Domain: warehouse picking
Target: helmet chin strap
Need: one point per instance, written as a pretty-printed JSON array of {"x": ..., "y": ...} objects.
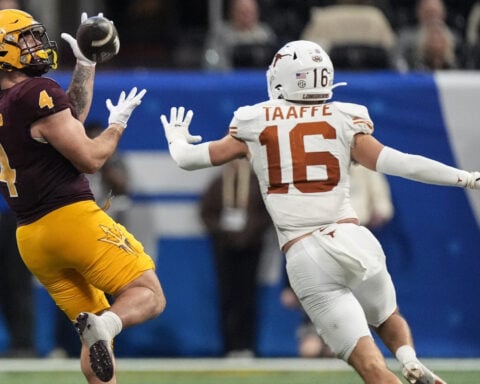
[
  {"x": 341, "y": 84},
  {"x": 37, "y": 70}
]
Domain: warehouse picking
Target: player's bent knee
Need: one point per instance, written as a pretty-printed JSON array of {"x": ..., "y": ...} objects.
[
  {"x": 366, "y": 356},
  {"x": 154, "y": 300},
  {"x": 158, "y": 300},
  {"x": 161, "y": 303}
]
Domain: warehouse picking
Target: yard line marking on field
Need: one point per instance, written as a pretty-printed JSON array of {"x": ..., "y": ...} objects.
[{"x": 223, "y": 364}]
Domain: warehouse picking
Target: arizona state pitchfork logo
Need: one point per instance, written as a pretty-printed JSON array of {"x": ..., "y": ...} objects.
[{"x": 115, "y": 236}]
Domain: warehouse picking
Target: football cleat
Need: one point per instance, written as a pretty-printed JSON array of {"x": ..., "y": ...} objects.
[
  {"x": 93, "y": 333},
  {"x": 417, "y": 373}
]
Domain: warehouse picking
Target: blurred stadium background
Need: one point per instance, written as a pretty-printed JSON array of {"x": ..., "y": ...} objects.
[{"x": 431, "y": 245}]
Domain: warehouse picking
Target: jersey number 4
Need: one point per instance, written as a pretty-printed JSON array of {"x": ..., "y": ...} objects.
[
  {"x": 300, "y": 158},
  {"x": 7, "y": 174}
]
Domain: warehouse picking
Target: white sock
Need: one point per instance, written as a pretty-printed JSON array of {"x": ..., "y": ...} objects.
[
  {"x": 405, "y": 354},
  {"x": 112, "y": 322}
]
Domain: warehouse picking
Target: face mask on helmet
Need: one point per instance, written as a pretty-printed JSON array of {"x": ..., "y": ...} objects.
[
  {"x": 301, "y": 71},
  {"x": 24, "y": 44}
]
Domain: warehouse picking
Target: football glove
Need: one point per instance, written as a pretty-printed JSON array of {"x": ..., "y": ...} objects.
[
  {"x": 177, "y": 127},
  {"x": 81, "y": 59},
  {"x": 473, "y": 180},
  {"x": 120, "y": 113}
]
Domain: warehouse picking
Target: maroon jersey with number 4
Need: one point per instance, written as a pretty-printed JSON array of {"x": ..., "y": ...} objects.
[{"x": 34, "y": 177}]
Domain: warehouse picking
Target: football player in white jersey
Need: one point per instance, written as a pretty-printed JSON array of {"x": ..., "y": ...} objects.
[{"x": 301, "y": 146}]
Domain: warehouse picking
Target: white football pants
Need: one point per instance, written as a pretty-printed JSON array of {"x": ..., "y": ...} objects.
[{"x": 340, "y": 277}]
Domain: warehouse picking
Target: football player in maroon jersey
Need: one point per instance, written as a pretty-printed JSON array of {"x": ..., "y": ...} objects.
[{"x": 70, "y": 244}]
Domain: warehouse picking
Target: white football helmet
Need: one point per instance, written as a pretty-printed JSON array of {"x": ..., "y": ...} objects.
[{"x": 301, "y": 71}]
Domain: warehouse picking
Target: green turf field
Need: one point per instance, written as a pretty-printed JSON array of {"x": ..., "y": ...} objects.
[
  {"x": 239, "y": 377},
  {"x": 221, "y": 371}
]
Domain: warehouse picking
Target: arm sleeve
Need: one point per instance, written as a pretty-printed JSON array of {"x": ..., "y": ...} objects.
[
  {"x": 419, "y": 168},
  {"x": 188, "y": 156}
]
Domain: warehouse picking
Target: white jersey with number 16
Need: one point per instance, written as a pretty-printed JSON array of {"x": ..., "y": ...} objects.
[{"x": 301, "y": 155}]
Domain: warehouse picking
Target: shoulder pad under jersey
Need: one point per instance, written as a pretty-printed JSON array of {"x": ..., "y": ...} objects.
[
  {"x": 248, "y": 112},
  {"x": 352, "y": 109},
  {"x": 358, "y": 114}
]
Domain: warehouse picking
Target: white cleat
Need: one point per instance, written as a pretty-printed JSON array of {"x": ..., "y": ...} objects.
[
  {"x": 93, "y": 333},
  {"x": 416, "y": 373}
]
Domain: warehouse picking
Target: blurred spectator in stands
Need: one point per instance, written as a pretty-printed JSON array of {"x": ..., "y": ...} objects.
[
  {"x": 16, "y": 281},
  {"x": 435, "y": 49},
  {"x": 236, "y": 219},
  {"x": 286, "y": 17},
  {"x": 389, "y": 9},
  {"x": 472, "y": 54},
  {"x": 194, "y": 16},
  {"x": 149, "y": 31},
  {"x": 371, "y": 198},
  {"x": 356, "y": 35},
  {"x": 242, "y": 41},
  {"x": 426, "y": 12},
  {"x": 10, "y": 4}
]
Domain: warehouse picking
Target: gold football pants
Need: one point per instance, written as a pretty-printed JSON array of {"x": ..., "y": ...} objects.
[{"x": 79, "y": 253}]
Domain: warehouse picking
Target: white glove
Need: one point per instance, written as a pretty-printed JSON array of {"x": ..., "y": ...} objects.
[
  {"x": 120, "y": 113},
  {"x": 473, "y": 180},
  {"x": 177, "y": 127},
  {"x": 73, "y": 44}
]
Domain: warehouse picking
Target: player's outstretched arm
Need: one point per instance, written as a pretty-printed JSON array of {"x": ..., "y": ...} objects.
[
  {"x": 191, "y": 157},
  {"x": 80, "y": 90},
  {"x": 121, "y": 112},
  {"x": 186, "y": 155},
  {"x": 101, "y": 148},
  {"x": 374, "y": 155},
  {"x": 423, "y": 169},
  {"x": 66, "y": 134}
]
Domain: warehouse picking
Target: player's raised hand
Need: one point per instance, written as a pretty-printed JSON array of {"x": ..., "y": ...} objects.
[
  {"x": 81, "y": 59},
  {"x": 120, "y": 113},
  {"x": 178, "y": 125}
]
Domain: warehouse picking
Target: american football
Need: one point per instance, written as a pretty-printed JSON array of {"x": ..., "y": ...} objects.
[{"x": 98, "y": 39}]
